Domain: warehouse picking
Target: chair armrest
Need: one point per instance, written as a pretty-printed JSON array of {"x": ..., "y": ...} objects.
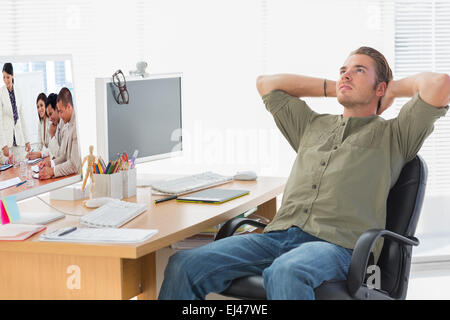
[
  {"x": 230, "y": 227},
  {"x": 361, "y": 253}
]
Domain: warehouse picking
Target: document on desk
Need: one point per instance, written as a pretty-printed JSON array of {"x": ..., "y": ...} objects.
[
  {"x": 99, "y": 235},
  {"x": 34, "y": 161},
  {"x": 18, "y": 232},
  {"x": 9, "y": 183}
]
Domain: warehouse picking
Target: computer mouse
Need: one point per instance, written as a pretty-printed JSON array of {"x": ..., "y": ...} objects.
[
  {"x": 245, "y": 175},
  {"x": 97, "y": 202}
]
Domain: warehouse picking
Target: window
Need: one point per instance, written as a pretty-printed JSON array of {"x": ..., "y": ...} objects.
[{"x": 422, "y": 43}]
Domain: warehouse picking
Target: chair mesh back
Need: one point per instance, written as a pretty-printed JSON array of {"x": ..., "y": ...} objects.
[{"x": 403, "y": 209}]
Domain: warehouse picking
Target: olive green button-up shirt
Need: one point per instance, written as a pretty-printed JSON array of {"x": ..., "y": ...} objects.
[{"x": 345, "y": 167}]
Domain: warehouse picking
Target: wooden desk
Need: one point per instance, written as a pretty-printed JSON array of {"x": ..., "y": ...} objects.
[
  {"x": 46, "y": 270},
  {"x": 38, "y": 184}
]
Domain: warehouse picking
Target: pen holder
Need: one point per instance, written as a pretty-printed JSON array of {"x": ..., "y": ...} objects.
[
  {"x": 108, "y": 185},
  {"x": 129, "y": 183}
]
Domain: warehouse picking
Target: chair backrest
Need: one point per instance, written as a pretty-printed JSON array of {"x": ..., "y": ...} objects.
[{"x": 404, "y": 204}]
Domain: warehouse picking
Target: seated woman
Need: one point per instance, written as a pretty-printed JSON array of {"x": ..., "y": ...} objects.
[{"x": 43, "y": 131}]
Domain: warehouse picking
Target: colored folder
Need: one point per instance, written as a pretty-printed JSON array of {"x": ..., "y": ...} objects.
[{"x": 215, "y": 196}]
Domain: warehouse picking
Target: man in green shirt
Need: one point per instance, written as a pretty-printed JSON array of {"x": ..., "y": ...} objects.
[{"x": 338, "y": 186}]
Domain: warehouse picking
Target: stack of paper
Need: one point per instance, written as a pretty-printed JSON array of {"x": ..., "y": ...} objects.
[
  {"x": 18, "y": 232},
  {"x": 9, "y": 183},
  {"x": 99, "y": 235},
  {"x": 192, "y": 242}
]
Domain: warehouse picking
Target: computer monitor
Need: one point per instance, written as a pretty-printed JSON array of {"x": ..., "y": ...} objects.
[
  {"x": 34, "y": 75},
  {"x": 150, "y": 122}
]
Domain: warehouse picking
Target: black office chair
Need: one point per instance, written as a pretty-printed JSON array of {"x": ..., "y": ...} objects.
[{"x": 403, "y": 209}]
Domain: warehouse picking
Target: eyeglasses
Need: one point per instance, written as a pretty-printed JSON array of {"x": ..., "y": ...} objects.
[{"x": 119, "y": 81}]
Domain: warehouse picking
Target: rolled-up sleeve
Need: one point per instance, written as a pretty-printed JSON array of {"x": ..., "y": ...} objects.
[
  {"x": 291, "y": 115},
  {"x": 414, "y": 124}
]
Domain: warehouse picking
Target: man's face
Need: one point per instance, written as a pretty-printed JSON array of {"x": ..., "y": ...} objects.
[
  {"x": 356, "y": 85},
  {"x": 53, "y": 115},
  {"x": 64, "y": 112}
]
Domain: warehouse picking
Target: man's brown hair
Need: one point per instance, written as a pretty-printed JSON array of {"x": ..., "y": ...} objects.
[
  {"x": 382, "y": 69},
  {"x": 65, "y": 97}
]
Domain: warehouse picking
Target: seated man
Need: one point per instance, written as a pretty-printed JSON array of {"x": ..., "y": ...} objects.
[
  {"x": 54, "y": 130},
  {"x": 338, "y": 186},
  {"x": 67, "y": 161}
]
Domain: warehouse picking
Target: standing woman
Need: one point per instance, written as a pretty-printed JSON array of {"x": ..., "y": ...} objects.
[
  {"x": 44, "y": 122},
  {"x": 13, "y": 133}
]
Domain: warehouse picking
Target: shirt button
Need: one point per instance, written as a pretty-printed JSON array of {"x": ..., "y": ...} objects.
[
  {"x": 343, "y": 123},
  {"x": 322, "y": 163},
  {"x": 314, "y": 186},
  {"x": 335, "y": 148},
  {"x": 305, "y": 210}
]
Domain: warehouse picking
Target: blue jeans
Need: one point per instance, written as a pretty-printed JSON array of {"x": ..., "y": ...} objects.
[{"x": 292, "y": 263}]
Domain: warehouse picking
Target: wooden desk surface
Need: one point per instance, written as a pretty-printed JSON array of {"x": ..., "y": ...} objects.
[
  {"x": 15, "y": 172},
  {"x": 174, "y": 220}
]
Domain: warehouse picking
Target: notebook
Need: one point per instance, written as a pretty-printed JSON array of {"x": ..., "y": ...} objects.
[
  {"x": 18, "y": 232},
  {"x": 9, "y": 183},
  {"x": 99, "y": 235},
  {"x": 215, "y": 196}
]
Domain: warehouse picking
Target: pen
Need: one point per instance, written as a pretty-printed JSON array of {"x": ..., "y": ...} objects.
[
  {"x": 67, "y": 231},
  {"x": 166, "y": 199},
  {"x": 21, "y": 183}
]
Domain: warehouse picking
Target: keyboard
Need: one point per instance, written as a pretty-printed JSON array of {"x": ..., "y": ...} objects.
[
  {"x": 191, "y": 183},
  {"x": 113, "y": 214}
]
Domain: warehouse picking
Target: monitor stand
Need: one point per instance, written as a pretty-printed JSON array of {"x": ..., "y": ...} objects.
[
  {"x": 72, "y": 192},
  {"x": 30, "y": 216},
  {"x": 35, "y": 217}
]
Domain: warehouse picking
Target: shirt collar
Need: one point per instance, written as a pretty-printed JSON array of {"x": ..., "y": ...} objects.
[
  {"x": 357, "y": 121},
  {"x": 72, "y": 118}
]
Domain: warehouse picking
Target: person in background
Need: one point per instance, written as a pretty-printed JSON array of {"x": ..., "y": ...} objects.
[
  {"x": 13, "y": 131},
  {"x": 43, "y": 134},
  {"x": 68, "y": 160},
  {"x": 55, "y": 126},
  {"x": 5, "y": 160}
]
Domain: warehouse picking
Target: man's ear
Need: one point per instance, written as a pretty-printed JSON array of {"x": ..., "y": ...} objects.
[{"x": 380, "y": 90}]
